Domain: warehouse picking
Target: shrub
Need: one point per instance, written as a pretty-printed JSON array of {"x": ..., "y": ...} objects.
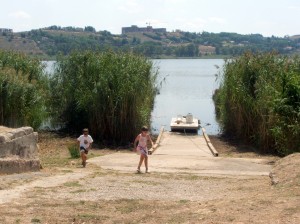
[{"x": 74, "y": 151}]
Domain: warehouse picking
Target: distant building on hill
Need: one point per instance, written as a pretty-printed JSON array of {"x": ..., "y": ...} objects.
[
  {"x": 5, "y": 30},
  {"x": 207, "y": 50},
  {"x": 148, "y": 29}
]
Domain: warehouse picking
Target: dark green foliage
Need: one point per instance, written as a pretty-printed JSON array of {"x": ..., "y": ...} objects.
[
  {"x": 110, "y": 93},
  {"x": 89, "y": 29},
  {"x": 259, "y": 101},
  {"x": 189, "y": 50},
  {"x": 22, "y": 90}
]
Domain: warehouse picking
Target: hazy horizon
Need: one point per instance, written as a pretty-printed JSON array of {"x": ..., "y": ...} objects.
[
  {"x": 144, "y": 26},
  {"x": 268, "y": 18}
]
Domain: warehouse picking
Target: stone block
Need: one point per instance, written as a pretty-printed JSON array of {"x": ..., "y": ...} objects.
[{"x": 18, "y": 150}]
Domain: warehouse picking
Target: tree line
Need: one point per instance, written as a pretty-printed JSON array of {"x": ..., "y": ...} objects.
[{"x": 54, "y": 40}]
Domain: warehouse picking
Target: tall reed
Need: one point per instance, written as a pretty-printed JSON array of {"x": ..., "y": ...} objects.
[
  {"x": 259, "y": 101},
  {"x": 111, "y": 93},
  {"x": 22, "y": 90}
]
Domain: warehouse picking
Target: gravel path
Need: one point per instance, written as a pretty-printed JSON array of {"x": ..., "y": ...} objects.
[
  {"x": 146, "y": 187},
  {"x": 93, "y": 184},
  {"x": 97, "y": 195}
]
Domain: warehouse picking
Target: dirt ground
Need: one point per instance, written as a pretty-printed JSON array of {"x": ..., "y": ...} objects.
[{"x": 64, "y": 192}]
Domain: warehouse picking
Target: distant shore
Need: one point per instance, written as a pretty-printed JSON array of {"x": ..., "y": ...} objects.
[{"x": 53, "y": 58}]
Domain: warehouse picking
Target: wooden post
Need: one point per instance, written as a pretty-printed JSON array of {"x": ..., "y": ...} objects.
[
  {"x": 152, "y": 150},
  {"x": 210, "y": 146}
]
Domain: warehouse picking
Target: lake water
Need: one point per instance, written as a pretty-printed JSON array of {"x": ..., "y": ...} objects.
[{"x": 188, "y": 88}]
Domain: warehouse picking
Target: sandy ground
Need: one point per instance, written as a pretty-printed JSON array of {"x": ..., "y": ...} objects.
[{"x": 64, "y": 192}]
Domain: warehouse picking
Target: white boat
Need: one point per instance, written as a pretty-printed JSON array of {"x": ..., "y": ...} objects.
[{"x": 185, "y": 123}]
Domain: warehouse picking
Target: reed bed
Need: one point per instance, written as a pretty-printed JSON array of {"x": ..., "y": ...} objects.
[
  {"x": 23, "y": 90},
  {"x": 259, "y": 101},
  {"x": 110, "y": 93}
]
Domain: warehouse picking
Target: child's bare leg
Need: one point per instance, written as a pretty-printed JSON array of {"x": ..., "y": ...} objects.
[
  {"x": 146, "y": 163},
  {"x": 142, "y": 157},
  {"x": 83, "y": 158}
]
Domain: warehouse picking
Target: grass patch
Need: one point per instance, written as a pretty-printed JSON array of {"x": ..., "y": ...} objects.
[
  {"x": 39, "y": 189},
  {"x": 98, "y": 174},
  {"x": 35, "y": 220},
  {"x": 67, "y": 171},
  {"x": 88, "y": 216},
  {"x": 55, "y": 161},
  {"x": 177, "y": 218},
  {"x": 78, "y": 191},
  {"x": 265, "y": 202},
  {"x": 184, "y": 201},
  {"x": 192, "y": 177},
  {"x": 152, "y": 183},
  {"x": 128, "y": 205},
  {"x": 81, "y": 202},
  {"x": 72, "y": 184},
  {"x": 292, "y": 210}
]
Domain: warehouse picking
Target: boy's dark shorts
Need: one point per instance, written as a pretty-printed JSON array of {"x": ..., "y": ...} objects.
[{"x": 82, "y": 149}]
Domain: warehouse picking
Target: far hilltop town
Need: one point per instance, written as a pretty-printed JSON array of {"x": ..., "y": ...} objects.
[
  {"x": 137, "y": 29},
  {"x": 131, "y": 29},
  {"x": 5, "y": 30}
]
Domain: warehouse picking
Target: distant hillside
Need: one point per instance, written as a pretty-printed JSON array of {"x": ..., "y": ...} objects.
[
  {"x": 17, "y": 43},
  {"x": 50, "y": 41},
  {"x": 295, "y": 37}
]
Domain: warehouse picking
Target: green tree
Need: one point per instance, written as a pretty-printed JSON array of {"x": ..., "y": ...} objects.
[{"x": 89, "y": 29}]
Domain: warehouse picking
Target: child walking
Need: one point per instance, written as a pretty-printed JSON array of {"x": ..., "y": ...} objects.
[
  {"x": 85, "y": 144},
  {"x": 142, "y": 140}
]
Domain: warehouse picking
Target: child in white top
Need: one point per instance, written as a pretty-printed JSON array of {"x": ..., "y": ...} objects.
[
  {"x": 85, "y": 144},
  {"x": 141, "y": 148}
]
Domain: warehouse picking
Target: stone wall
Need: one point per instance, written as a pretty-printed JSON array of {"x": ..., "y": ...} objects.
[{"x": 18, "y": 150}]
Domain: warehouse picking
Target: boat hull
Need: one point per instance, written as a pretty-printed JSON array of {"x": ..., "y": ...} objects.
[{"x": 180, "y": 125}]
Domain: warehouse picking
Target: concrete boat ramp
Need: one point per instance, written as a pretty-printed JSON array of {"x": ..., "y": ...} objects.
[{"x": 183, "y": 153}]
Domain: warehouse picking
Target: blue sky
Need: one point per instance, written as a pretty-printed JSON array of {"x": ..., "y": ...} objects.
[{"x": 267, "y": 17}]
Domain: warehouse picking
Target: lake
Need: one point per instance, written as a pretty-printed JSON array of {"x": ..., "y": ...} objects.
[{"x": 188, "y": 88}]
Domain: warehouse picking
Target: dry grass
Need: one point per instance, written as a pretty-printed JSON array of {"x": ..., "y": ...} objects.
[{"x": 227, "y": 147}]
